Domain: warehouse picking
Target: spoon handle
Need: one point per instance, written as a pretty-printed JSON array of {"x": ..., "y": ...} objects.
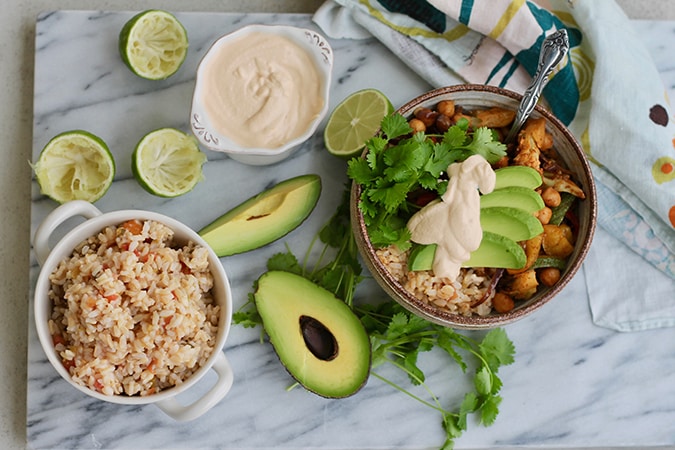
[{"x": 553, "y": 50}]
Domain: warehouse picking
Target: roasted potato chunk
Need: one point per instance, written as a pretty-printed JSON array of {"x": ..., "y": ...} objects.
[{"x": 556, "y": 241}]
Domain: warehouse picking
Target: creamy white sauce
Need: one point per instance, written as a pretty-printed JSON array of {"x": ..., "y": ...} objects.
[
  {"x": 453, "y": 222},
  {"x": 261, "y": 90}
]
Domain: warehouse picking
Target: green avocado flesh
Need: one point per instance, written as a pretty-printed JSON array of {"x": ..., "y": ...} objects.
[
  {"x": 512, "y": 223},
  {"x": 522, "y": 176},
  {"x": 514, "y": 197},
  {"x": 421, "y": 257},
  {"x": 264, "y": 218},
  {"x": 317, "y": 337},
  {"x": 497, "y": 251}
]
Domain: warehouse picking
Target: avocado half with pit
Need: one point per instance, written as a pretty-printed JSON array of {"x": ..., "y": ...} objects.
[
  {"x": 264, "y": 218},
  {"x": 316, "y": 336}
]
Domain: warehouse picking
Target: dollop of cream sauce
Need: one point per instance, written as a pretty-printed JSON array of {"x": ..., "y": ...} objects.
[
  {"x": 262, "y": 90},
  {"x": 453, "y": 222}
]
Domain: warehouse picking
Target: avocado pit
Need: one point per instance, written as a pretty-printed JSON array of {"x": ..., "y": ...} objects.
[{"x": 318, "y": 339}]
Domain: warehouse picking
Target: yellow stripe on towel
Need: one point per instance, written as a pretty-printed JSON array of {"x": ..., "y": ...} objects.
[
  {"x": 450, "y": 35},
  {"x": 506, "y": 18}
]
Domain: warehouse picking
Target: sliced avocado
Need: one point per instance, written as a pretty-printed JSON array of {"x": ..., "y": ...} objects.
[
  {"x": 264, "y": 218},
  {"x": 317, "y": 337},
  {"x": 523, "y": 176},
  {"x": 512, "y": 223},
  {"x": 497, "y": 251},
  {"x": 421, "y": 257},
  {"x": 514, "y": 197}
]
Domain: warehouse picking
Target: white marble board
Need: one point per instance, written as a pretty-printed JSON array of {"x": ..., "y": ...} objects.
[{"x": 573, "y": 384}]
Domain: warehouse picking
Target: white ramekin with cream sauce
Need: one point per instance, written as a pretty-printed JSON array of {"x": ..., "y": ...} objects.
[{"x": 261, "y": 91}]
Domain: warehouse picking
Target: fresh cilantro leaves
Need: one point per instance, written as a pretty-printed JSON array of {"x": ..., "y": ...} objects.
[
  {"x": 397, "y": 336},
  {"x": 399, "y": 163}
]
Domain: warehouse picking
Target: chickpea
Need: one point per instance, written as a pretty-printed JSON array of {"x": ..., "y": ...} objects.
[
  {"x": 417, "y": 126},
  {"x": 502, "y": 303},
  {"x": 443, "y": 123},
  {"x": 446, "y": 107},
  {"x": 426, "y": 115},
  {"x": 551, "y": 197},
  {"x": 549, "y": 276},
  {"x": 544, "y": 215}
]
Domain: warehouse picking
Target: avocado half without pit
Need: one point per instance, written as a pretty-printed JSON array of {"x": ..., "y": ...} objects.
[
  {"x": 316, "y": 336},
  {"x": 264, "y": 218}
]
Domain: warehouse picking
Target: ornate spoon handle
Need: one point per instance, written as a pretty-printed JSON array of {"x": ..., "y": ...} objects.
[{"x": 553, "y": 50}]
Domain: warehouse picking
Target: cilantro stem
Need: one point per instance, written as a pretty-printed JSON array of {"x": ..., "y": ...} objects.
[
  {"x": 305, "y": 260},
  {"x": 410, "y": 394}
]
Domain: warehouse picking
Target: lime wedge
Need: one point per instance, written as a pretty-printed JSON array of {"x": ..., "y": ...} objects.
[
  {"x": 168, "y": 162},
  {"x": 355, "y": 120},
  {"x": 75, "y": 165},
  {"x": 153, "y": 44}
]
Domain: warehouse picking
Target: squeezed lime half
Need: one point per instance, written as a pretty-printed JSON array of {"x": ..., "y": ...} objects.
[
  {"x": 153, "y": 44},
  {"x": 75, "y": 165},
  {"x": 168, "y": 162}
]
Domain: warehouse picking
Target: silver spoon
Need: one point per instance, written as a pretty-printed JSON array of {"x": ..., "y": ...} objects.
[{"x": 553, "y": 50}]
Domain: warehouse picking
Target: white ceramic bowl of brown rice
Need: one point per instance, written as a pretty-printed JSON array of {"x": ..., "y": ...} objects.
[
  {"x": 468, "y": 302},
  {"x": 132, "y": 307}
]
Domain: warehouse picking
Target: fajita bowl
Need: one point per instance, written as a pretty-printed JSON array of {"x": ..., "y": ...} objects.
[{"x": 482, "y": 97}]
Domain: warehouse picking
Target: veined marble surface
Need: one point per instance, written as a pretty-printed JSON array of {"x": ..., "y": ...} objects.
[{"x": 573, "y": 384}]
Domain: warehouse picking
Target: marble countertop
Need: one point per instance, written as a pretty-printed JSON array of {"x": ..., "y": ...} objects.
[{"x": 573, "y": 385}]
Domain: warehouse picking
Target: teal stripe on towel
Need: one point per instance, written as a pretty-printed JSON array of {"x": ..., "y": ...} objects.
[
  {"x": 506, "y": 59},
  {"x": 511, "y": 71},
  {"x": 465, "y": 11}
]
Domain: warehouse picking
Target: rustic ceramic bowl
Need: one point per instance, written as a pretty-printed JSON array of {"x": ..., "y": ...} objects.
[
  {"x": 481, "y": 97},
  {"x": 95, "y": 221},
  {"x": 202, "y": 124}
]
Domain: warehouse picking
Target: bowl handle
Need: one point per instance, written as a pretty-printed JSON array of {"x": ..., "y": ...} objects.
[
  {"x": 56, "y": 218},
  {"x": 183, "y": 413}
]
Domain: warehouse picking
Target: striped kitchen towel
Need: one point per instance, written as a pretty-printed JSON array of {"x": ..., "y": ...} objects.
[{"x": 609, "y": 93}]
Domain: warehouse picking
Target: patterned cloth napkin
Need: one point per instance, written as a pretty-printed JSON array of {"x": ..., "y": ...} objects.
[{"x": 608, "y": 92}]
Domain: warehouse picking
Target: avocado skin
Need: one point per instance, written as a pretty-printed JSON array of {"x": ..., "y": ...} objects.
[
  {"x": 284, "y": 300},
  {"x": 264, "y": 218}
]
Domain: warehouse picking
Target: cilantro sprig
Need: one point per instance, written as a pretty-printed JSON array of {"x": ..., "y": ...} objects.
[
  {"x": 398, "y": 163},
  {"x": 397, "y": 336}
]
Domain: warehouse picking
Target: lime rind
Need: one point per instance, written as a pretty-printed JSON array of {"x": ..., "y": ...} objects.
[
  {"x": 75, "y": 165},
  {"x": 168, "y": 163},
  {"x": 153, "y": 44},
  {"x": 354, "y": 120}
]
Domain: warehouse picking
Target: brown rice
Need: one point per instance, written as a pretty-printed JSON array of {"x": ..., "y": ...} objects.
[
  {"x": 467, "y": 295},
  {"x": 133, "y": 313}
]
